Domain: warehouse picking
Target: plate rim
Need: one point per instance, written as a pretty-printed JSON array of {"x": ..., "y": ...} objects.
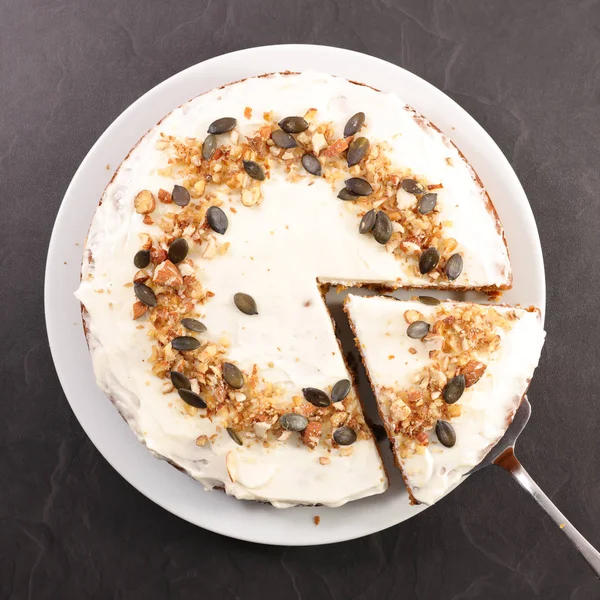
[{"x": 342, "y": 534}]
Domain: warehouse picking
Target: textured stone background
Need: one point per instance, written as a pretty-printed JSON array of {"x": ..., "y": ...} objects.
[{"x": 70, "y": 527}]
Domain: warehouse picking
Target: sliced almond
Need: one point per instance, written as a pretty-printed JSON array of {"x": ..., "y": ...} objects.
[{"x": 139, "y": 309}]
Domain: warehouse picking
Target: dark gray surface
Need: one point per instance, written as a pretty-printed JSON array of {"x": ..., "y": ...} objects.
[{"x": 71, "y": 527}]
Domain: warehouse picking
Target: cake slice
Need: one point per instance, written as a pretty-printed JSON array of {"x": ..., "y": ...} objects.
[{"x": 448, "y": 378}]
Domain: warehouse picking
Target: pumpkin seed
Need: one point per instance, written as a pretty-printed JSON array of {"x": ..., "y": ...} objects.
[
  {"x": 233, "y": 376},
  {"x": 217, "y": 219},
  {"x": 180, "y": 381},
  {"x": 417, "y": 330},
  {"x": 193, "y": 325},
  {"x": 222, "y": 125},
  {"x": 311, "y": 163},
  {"x": 293, "y": 124},
  {"x": 282, "y": 139},
  {"x": 180, "y": 195},
  {"x": 368, "y": 221},
  {"x": 340, "y": 390},
  {"x": 359, "y": 186},
  {"x": 144, "y": 294},
  {"x": 316, "y": 397},
  {"x": 346, "y": 194},
  {"x": 427, "y": 203},
  {"x": 412, "y": 186},
  {"x": 235, "y": 436},
  {"x": 382, "y": 232},
  {"x": 454, "y": 389},
  {"x": 209, "y": 146},
  {"x": 178, "y": 250},
  {"x": 344, "y": 436},
  {"x": 429, "y": 260},
  {"x": 254, "y": 170},
  {"x": 191, "y": 398},
  {"x": 445, "y": 433},
  {"x": 142, "y": 259},
  {"x": 454, "y": 267},
  {"x": 293, "y": 422},
  {"x": 245, "y": 303},
  {"x": 429, "y": 300},
  {"x": 184, "y": 343},
  {"x": 355, "y": 122},
  {"x": 358, "y": 149}
]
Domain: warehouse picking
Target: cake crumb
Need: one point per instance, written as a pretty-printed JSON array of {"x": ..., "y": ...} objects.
[
  {"x": 316, "y": 519},
  {"x": 108, "y": 167},
  {"x": 391, "y": 357},
  {"x": 412, "y": 350},
  {"x": 562, "y": 525},
  {"x": 248, "y": 112},
  {"x": 307, "y": 303}
]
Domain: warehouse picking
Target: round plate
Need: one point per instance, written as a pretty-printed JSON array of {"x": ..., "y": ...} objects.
[{"x": 156, "y": 479}]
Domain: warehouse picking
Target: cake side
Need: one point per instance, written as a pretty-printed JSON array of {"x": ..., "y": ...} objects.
[{"x": 447, "y": 397}]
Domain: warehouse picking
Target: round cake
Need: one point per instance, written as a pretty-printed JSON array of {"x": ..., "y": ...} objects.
[{"x": 206, "y": 263}]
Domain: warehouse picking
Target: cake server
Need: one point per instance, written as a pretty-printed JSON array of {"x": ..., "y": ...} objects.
[{"x": 503, "y": 455}]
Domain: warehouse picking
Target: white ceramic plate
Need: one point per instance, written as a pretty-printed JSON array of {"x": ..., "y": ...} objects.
[{"x": 156, "y": 479}]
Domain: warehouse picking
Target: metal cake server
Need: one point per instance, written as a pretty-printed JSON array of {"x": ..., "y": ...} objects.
[{"x": 503, "y": 455}]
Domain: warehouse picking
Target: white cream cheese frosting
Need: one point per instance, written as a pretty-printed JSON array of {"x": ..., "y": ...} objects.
[
  {"x": 487, "y": 407},
  {"x": 299, "y": 234}
]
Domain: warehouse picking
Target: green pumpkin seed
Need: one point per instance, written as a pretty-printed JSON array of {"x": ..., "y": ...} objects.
[
  {"x": 245, "y": 303},
  {"x": 316, "y": 397},
  {"x": 311, "y": 164},
  {"x": 180, "y": 195},
  {"x": 358, "y": 149},
  {"x": 185, "y": 343},
  {"x": 283, "y": 140},
  {"x": 429, "y": 300},
  {"x": 233, "y": 376},
  {"x": 254, "y": 170},
  {"x": 142, "y": 259},
  {"x": 427, "y": 203},
  {"x": 217, "y": 220},
  {"x": 382, "y": 231},
  {"x": 340, "y": 390},
  {"x": 180, "y": 381},
  {"x": 355, "y": 122},
  {"x": 445, "y": 433},
  {"x": 346, "y": 194},
  {"x": 193, "y": 325},
  {"x": 293, "y": 422},
  {"x": 359, "y": 186},
  {"x": 293, "y": 124},
  {"x": 178, "y": 250},
  {"x": 454, "y": 267},
  {"x": 209, "y": 146},
  {"x": 191, "y": 398},
  {"x": 144, "y": 294},
  {"x": 429, "y": 260},
  {"x": 412, "y": 186},
  {"x": 235, "y": 436},
  {"x": 454, "y": 389},
  {"x": 222, "y": 125},
  {"x": 344, "y": 436},
  {"x": 368, "y": 221},
  {"x": 417, "y": 330}
]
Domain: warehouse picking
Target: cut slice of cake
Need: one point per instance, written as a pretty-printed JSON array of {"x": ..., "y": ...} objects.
[{"x": 448, "y": 378}]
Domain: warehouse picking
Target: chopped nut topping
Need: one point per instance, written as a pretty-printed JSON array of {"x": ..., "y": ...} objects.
[{"x": 144, "y": 202}]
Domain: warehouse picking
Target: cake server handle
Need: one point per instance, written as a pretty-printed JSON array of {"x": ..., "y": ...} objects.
[{"x": 508, "y": 461}]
